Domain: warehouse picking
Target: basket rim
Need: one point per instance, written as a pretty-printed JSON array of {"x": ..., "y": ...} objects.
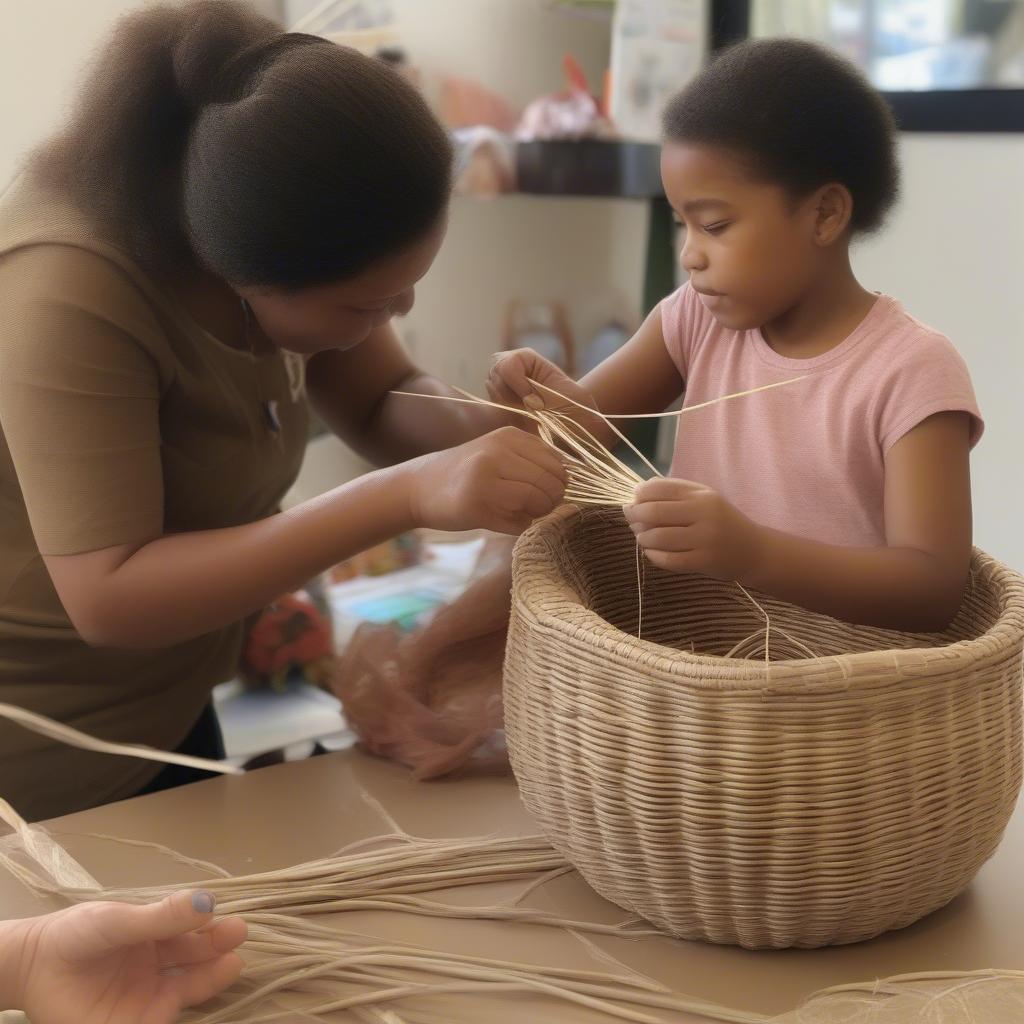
[{"x": 573, "y": 620}]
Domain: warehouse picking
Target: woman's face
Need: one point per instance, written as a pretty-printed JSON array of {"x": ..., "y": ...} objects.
[{"x": 342, "y": 315}]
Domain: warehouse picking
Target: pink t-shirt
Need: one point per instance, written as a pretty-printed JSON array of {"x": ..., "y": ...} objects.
[{"x": 808, "y": 458}]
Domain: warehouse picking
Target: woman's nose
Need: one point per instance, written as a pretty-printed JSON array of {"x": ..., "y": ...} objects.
[{"x": 404, "y": 303}]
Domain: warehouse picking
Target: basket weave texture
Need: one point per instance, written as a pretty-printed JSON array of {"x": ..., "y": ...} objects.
[{"x": 806, "y": 802}]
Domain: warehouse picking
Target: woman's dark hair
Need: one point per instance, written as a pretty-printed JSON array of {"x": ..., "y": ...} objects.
[
  {"x": 799, "y": 115},
  {"x": 207, "y": 135}
]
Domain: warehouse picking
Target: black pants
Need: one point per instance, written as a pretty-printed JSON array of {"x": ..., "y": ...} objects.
[{"x": 204, "y": 740}]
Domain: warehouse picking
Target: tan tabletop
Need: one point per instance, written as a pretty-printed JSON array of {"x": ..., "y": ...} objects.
[{"x": 283, "y": 815}]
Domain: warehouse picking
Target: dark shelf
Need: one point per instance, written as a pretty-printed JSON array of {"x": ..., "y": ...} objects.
[{"x": 589, "y": 167}]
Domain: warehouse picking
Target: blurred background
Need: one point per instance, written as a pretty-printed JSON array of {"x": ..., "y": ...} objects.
[
  {"x": 561, "y": 240},
  {"x": 572, "y": 273}
]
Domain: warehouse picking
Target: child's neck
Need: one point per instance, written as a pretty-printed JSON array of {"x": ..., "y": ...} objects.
[{"x": 822, "y": 318}]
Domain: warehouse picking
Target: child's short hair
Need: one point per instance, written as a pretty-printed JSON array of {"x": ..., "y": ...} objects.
[{"x": 801, "y": 115}]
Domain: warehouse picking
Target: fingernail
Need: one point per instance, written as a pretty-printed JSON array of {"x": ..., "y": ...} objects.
[{"x": 203, "y": 902}]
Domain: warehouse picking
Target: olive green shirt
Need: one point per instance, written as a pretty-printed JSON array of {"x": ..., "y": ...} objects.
[{"x": 121, "y": 420}]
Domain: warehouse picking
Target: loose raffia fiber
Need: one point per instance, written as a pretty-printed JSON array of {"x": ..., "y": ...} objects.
[
  {"x": 801, "y": 802},
  {"x": 328, "y": 969}
]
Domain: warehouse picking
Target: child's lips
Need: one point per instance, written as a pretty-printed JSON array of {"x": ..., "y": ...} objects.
[{"x": 710, "y": 299}]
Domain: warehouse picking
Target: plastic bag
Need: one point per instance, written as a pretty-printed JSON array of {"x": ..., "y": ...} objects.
[{"x": 431, "y": 699}]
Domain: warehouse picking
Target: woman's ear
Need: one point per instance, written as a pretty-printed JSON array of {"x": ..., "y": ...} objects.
[{"x": 833, "y": 209}]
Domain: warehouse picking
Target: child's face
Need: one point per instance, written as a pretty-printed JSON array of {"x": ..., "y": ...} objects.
[{"x": 748, "y": 247}]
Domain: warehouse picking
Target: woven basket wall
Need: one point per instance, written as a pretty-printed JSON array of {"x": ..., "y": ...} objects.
[{"x": 802, "y": 803}]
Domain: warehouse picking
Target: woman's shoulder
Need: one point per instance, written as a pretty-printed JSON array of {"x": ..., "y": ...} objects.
[
  {"x": 52, "y": 288},
  {"x": 56, "y": 274},
  {"x": 48, "y": 245}
]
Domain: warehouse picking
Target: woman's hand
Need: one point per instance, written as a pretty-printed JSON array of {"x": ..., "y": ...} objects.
[
  {"x": 687, "y": 527},
  {"x": 114, "y": 963},
  {"x": 512, "y": 372},
  {"x": 500, "y": 482}
]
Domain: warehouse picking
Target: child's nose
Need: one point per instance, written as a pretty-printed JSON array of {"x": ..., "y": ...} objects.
[{"x": 691, "y": 258}]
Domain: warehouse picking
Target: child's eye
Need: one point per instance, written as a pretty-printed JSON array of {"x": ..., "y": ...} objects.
[{"x": 717, "y": 228}]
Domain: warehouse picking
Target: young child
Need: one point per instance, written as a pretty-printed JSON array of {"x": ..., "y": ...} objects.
[{"x": 847, "y": 492}]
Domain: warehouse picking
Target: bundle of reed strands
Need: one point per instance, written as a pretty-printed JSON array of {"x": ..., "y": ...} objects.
[
  {"x": 596, "y": 476},
  {"x": 299, "y": 969},
  {"x": 598, "y": 479}
]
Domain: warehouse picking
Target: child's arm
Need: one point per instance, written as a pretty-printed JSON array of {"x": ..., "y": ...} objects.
[
  {"x": 639, "y": 378},
  {"x": 914, "y": 583}
]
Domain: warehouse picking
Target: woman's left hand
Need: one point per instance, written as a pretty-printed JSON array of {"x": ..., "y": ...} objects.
[
  {"x": 120, "y": 964},
  {"x": 687, "y": 527}
]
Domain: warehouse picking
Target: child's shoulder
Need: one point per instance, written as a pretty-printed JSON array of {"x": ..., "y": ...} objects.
[
  {"x": 905, "y": 342},
  {"x": 919, "y": 373},
  {"x": 684, "y": 322}
]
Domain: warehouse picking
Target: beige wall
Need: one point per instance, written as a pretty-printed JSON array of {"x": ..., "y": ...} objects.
[
  {"x": 954, "y": 256},
  {"x": 43, "y": 45},
  {"x": 954, "y": 253}
]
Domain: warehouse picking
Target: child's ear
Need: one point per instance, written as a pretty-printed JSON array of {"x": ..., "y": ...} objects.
[{"x": 833, "y": 207}]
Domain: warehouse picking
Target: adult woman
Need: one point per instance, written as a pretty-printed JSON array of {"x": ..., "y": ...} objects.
[{"x": 232, "y": 216}]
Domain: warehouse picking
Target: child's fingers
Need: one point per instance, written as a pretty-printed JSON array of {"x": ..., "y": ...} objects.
[
  {"x": 676, "y": 561},
  {"x": 665, "y": 489},
  {"x": 649, "y": 514},
  {"x": 668, "y": 539},
  {"x": 497, "y": 392},
  {"x": 511, "y": 371}
]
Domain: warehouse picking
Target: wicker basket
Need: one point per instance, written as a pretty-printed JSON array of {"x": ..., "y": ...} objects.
[{"x": 807, "y": 802}]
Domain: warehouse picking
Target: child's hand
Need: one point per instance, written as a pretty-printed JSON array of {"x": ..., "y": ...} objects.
[
  {"x": 687, "y": 527},
  {"x": 113, "y": 963},
  {"x": 500, "y": 482},
  {"x": 509, "y": 382}
]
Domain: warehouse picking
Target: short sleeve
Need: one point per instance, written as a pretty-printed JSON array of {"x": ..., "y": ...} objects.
[
  {"x": 930, "y": 377},
  {"x": 683, "y": 324},
  {"x": 79, "y": 400}
]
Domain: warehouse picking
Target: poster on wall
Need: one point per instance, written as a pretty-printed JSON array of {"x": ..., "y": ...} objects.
[{"x": 657, "y": 47}]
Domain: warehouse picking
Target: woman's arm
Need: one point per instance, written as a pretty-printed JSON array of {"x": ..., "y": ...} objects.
[
  {"x": 177, "y": 587},
  {"x": 352, "y": 394},
  {"x": 914, "y": 583}
]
